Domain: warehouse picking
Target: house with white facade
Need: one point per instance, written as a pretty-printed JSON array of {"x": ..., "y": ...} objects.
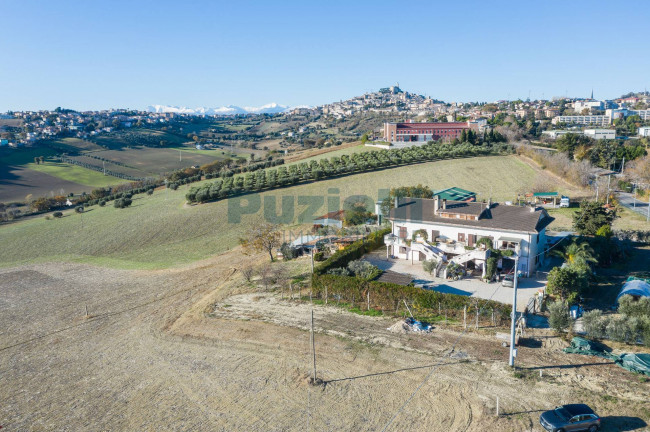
[{"x": 448, "y": 231}]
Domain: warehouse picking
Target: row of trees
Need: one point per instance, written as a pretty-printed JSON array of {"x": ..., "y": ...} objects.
[
  {"x": 602, "y": 153},
  {"x": 330, "y": 167}
]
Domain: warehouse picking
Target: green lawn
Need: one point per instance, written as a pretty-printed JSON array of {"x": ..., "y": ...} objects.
[
  {"x": 162, "y": 231},
  {"x": 75, "y": 174},
  {"x": 627, "y": 220},
  {"x": 337, "y": 153}
]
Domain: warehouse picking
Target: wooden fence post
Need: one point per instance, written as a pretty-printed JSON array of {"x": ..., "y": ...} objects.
[
  {"x": 368, "y": 299},
  {"x": 465, "y": 316}
]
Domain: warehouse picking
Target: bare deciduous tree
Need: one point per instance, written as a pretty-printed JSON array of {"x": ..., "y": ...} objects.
[{"x": 262, "y": 237}]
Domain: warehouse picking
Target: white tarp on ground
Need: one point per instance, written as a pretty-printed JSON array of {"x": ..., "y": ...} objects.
[{"x": 635, "y": 287}]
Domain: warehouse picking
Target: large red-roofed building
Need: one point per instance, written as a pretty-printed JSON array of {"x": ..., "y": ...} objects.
[{"x": 423, "y": 132}]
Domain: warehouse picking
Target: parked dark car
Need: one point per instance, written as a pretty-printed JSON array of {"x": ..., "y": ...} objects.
[{"x": 568, "y": 418}]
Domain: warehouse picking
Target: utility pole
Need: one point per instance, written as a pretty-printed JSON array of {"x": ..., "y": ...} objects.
[
  {"x": 511, "y": 362},
  {"x": 609, "y": 179},
  {"x": 313, "y": 346},
  {"x": 104, "y": 165},
  {"x": 180, "y": 156},
  {"x": 647, "y": 218},
  {"x": 312, "y": 260}
]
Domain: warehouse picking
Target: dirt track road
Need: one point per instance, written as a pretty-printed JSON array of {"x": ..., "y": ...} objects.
[{"x": 134, "y": 365}]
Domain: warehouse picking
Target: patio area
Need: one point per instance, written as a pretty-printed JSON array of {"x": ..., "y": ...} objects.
[{"x": 473, "y": 287}]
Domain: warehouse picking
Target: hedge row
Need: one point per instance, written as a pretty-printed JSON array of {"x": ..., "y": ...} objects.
[
  {"x": 389, "y": 297},
  {"x": 356, "y": 250},
  {"x": 332, "y": 167}
]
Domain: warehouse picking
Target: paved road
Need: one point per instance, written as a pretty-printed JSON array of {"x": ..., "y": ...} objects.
[{"x": 627, "y": 200}]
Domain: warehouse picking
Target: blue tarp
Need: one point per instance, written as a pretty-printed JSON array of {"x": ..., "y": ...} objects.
[
  {"x": 418, "y": 325},
  {"x": 635, "y": 287}
]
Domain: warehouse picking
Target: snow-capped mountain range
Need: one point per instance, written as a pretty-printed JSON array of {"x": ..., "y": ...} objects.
[{"x": 271, "y": 108}]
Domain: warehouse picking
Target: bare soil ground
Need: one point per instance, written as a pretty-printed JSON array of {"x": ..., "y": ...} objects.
[{"x": 198, "y": 349}]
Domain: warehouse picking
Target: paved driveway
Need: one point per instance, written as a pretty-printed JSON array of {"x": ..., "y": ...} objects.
[
  {"x": 628, "y": 200},
  {"x": 526, "y": 288}
]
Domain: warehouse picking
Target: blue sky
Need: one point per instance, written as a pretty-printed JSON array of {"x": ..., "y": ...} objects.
[{"x": 102, "y": 54}]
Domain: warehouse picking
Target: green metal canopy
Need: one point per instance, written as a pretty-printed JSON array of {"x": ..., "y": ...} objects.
[
  {"x": 456, "y": 194},
  {"x": 544, "y": 194}
]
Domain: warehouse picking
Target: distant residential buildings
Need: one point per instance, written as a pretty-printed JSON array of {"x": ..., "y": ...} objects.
[
  {"x": 600, "y": 120},
  {"x": 591, "y": 133},
  {"x": 590, "y": 105},
  {"x": 644, "y": 131}
]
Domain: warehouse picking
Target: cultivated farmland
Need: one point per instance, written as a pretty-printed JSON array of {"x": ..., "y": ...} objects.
[
  {"x": 200, "y": 349},
  {"x": 21, "y": 176},
  {"x": 162, "y": 230}
]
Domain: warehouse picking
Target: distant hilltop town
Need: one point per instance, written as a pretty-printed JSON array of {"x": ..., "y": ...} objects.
[{"x": 552, "y": 117}]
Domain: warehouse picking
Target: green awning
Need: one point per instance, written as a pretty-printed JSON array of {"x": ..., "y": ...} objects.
[{"x": 545, "y": 194}]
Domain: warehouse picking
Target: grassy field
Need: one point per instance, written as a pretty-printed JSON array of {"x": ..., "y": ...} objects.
[
  {"x": 161, "y": 230},
  {"x": 154, "y": 161},
  {"x": 20, "y": 176},
  {"x": 74, "y": 144},
  {"x": 338, "y": 153},
  {"x": 628, "y": 220},
  {"x": 75, "y": 174}
]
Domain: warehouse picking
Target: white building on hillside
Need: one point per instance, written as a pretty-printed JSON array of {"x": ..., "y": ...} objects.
[
  {"x": 579, "y": 106},
  {"x": 449, "y": 231},
  {"x": 600, "y": 133},
  {"x": 600, "y": 120},
  {"x": 644, "y": 131}
]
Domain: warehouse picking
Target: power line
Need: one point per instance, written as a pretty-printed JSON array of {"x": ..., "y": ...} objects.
[{"x": 426, "y": 378}]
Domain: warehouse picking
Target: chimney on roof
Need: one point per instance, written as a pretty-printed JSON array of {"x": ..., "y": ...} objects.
[
  {"x": 436, "y": 204},
  {"x": 489, "y": 204},
  {"x": 444, "y": 203},
  {"x": 396, "y": 202}
]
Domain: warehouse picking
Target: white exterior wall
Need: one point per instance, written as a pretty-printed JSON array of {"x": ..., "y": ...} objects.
[
  {"x": 600, "y": 133},
  {"x": 644, "y": 131},
  {"x": 529, "y": 246},
  {"x": 579, "y": 119}
]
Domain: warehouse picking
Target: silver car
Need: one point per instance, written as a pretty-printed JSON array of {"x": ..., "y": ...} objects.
[
  {"x": 569, "y": 418},
  {"x": 508, "y": 281}
]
